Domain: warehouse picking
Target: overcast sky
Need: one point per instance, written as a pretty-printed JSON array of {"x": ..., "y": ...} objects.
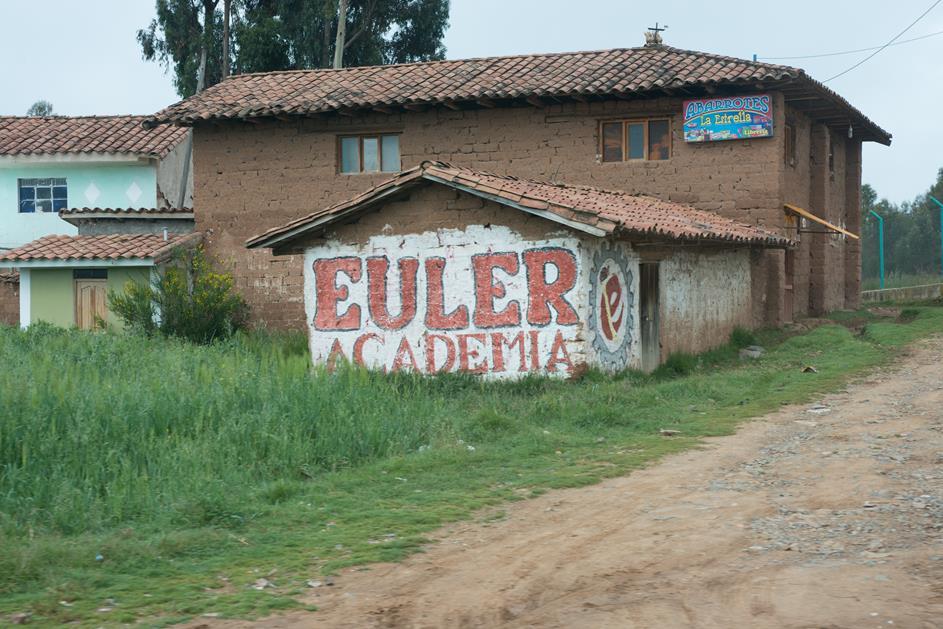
[{"x": 83, "y": 56}]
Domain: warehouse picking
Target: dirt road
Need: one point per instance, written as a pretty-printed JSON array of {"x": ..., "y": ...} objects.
[{"x": 809, "y": 517}]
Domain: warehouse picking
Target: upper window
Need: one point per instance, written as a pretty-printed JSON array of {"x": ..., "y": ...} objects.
[
  {"x": 626, "y": 140},
  {"x": 43, "y": 195},
  {"x": 369, "y": 154}
]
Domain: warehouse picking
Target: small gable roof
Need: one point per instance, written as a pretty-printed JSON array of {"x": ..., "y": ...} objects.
[
  {"x": 591, "y": 210},
  {"x": 109, "y": 248},
  {"x": 123, "y": 135},
  {"x": 490, "y": 81}
]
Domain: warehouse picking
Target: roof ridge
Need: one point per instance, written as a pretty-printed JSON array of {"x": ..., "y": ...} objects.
[
  {"x": 67, "y": 117},
  {"x": 234, "y": 77}
]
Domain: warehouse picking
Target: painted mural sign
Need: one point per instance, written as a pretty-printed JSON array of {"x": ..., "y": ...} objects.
[
  {"x": 613, "y": 308},
  {"x": 479, "y": 300},
  {"x": 728, "y": 118}
]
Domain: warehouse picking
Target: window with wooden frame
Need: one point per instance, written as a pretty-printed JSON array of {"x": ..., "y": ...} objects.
[
  {"x": 369, "y": 153},
  {"x": 790, "y": 139},
  {"x": 631, "y": 140}
]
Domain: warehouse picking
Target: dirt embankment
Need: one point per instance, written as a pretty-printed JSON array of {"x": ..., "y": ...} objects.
[{"x": 826, "y": 515}]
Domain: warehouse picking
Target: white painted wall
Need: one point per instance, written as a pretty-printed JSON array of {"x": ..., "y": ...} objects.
[
  {"x": 554, "y": 348},
  {"x": 705, "y": 295}
]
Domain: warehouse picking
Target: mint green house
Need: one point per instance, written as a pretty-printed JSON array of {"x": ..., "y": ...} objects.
[
  {"x": 86, "y": 204},
  {"x": 56, "y": 163}
]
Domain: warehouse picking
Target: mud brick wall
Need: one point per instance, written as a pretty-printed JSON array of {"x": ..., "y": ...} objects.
[
  {"x": 251, "y": 177},
  {"x": 9, "y": 299}
]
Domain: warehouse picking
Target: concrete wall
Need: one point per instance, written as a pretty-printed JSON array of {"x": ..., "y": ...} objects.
[
  {"x": 52, "y": 293},
  {"x": 90, "y": 184},
  {"x": 909, "y": 293},
  {"x": 99, "y": 226},
  {"x": 9, "y": 299},
  {"x": 169, "y": 177},
  {"x": 250, "y": 177}
]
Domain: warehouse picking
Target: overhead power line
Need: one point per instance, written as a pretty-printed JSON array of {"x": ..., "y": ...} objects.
[
  {"x": 893, "y": 39},
  {"x": 851, "y": 52}
]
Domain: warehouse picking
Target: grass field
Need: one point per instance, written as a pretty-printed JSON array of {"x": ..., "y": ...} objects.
[
  {"x": 153, "y": 481},
  {"x": 899, "y": 280}
]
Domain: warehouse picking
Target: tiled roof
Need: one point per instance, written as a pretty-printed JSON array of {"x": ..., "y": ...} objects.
[
  {"x": 600, "y": 212},
  {"x": 579, "y": 75},
  {"x": 130, "y": 212},
  {"x": 23, "y": 135},
  {"x": 107, "y": 247}
]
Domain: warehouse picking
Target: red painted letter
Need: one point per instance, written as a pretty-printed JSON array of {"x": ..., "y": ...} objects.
[
  {"x": 360, "y": 342},
  {"x": 559, "y": 354},
  {"x": 466, "y": 354},
  {"x": 329, "y": 294},
  {"x": 436, "y": 319},
  {"x": 403, "y": 353},
  {"x": 543, "y": 294},
  {"x": 377, "y": 271},
  {"x": 498, "y": 341},
  {"x": 487, "y": 289},
  {"x": 336, "y": 354},
  {"x": 430, "y": 353}
]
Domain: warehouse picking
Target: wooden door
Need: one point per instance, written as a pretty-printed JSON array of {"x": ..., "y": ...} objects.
[
  {"x": 90, "y": 303},
  {"x": 789, "y": 294},
  {"x": 649, "y": 314}
]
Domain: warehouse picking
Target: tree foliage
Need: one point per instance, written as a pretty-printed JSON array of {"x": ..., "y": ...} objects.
[
  {"x": 39, "y": 109},
  {"x": 188, "y": 299},
  {"x": 291, "y": 34},
  {"x": 911, "y": 233}
]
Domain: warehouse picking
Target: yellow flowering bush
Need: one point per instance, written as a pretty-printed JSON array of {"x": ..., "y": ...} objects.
[{"x": 187, "y": 299}]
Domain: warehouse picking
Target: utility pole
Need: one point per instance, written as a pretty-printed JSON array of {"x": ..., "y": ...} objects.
[
  {"x": 937, "y": 201},
  {"x": 341, "y": 35},
  {"x": 226, "y": 11},
  {"x": 880, "y": 244}
]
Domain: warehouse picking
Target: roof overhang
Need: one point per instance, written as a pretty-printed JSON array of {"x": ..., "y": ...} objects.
[
  {"x": 42, "y": 159},
  {"x": 591, "y": 215},
  {"x": 84, "y": 263},
  {"x": 78, "y": 217}
]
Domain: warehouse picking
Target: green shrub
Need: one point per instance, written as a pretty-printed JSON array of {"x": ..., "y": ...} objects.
[
  {"x": 679, "y": 364},
  {"x": 188, "y": 299}
]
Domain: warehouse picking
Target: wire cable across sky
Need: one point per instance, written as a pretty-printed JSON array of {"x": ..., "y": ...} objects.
[
  {"x": 894, "y": 39},
  {"x": 851, "y": 52}
]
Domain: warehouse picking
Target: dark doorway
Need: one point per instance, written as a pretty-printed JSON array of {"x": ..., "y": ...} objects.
[{"x": 649, "y": 314}]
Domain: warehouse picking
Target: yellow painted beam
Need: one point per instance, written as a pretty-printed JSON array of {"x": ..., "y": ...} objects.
[{"x": 815, "y": 219}]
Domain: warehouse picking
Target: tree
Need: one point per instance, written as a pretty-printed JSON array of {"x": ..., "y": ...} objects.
[
  {"x": 911, "y": 233},
  {"x": 188, "y": 35},
  {"x": 300, "y": 34},
  {"x": 39, "y": 109},
  {"x": 288, "y": 34}
]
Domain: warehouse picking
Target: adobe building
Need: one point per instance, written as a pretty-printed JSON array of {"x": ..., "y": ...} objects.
[
  {"x": 740, "y": 139},
  {"x": 443, "y": 268}
]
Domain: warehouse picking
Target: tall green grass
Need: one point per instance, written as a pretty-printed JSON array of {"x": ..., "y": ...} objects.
[{"x": 97, "y": 430}]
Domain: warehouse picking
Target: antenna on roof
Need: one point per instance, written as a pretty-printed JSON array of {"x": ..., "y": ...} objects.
[{"x": 653, "y": 35}]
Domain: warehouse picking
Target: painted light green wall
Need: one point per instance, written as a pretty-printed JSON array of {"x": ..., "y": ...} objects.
[
  {"x": 52, "y": 297},
  {"x": 111, "y": 181},
  {"x": 52, "y": 293}
]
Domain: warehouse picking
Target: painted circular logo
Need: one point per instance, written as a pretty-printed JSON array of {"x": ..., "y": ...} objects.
[{"x": 612, "y": 308}]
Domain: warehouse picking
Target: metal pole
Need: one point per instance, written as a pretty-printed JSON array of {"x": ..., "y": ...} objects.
[
  {"x": 880, "y": 244},
  {"x": 937, "y": 201}
]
